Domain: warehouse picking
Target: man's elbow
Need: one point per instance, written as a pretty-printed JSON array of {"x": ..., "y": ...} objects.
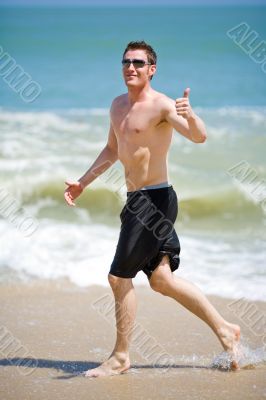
[
  {"x": 112, "y": 151},
  {"x": 200, "y": 139}
]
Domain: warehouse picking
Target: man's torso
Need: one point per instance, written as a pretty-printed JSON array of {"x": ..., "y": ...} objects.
[{"x": 143, "y": 138}]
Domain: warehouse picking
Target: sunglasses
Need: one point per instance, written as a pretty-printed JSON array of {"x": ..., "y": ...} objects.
[{"x": 136, "y": 63}]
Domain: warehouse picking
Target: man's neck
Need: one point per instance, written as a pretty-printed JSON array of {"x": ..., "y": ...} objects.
[{"x": 138, "y": 94}]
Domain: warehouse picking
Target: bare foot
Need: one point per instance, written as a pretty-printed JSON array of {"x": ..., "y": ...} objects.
[
  {"x": 116, "y": 364},
  {"x": 229, "y": 336}
]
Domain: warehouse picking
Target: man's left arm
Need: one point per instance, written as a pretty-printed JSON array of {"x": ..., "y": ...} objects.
[{"x": 190, "y": 125}]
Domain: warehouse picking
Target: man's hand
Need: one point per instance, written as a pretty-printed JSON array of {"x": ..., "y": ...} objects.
[
  {"x": 73, "y": 190},
  {"x": 183, "y": 106}
]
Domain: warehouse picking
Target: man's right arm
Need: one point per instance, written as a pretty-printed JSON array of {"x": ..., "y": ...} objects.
[{"x": 106, "y": 158}]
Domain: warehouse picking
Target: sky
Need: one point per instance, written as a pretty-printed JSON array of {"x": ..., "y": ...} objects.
[{"x": 131, "y": 2}]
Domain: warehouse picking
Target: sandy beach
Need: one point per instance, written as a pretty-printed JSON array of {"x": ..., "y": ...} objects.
[{"x": 52, "y": 331}]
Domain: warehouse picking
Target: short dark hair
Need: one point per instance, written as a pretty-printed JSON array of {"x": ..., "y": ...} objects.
[{"x": 142, "y": 45}]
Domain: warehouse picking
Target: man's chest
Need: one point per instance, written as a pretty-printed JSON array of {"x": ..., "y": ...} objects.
[{"x": 136, "y": 122}]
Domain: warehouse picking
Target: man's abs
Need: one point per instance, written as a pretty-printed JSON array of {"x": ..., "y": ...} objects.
[
  {"x": 143, "y": 167},
  {"x": 144, "y": 159}
]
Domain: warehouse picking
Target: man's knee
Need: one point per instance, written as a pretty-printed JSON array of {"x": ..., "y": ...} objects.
[
  {"x": 117, "y": 282},
  {"x": 113, "y": 280},
  {"x": 159, "y": 285},
  {"x": 161, "y": 279}
]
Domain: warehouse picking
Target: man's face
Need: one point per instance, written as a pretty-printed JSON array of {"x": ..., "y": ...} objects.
[{"x": 137, "y": 75}]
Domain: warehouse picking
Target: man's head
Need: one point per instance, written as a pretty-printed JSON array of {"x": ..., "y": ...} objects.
[{"x": 139, "y": 63}]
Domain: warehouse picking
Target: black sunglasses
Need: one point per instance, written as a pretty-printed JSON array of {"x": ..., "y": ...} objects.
[{"x": 136, "y": 63}]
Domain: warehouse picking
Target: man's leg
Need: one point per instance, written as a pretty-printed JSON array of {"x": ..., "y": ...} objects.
[
  {"x": 125, "y": 311},
  {"x": 190, "y": 296}
]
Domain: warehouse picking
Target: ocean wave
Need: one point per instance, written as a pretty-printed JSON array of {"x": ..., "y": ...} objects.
[
  {"x": 99, "y": 198},
  {"x": 255, "y": 114},
  {"x": 39, "y": 150},
  {"x": 94, "y": 123},
  {"x": 41, "y": 120},
  {"x": 239, "y": 121},
  {"x": 83, "y": 254}
]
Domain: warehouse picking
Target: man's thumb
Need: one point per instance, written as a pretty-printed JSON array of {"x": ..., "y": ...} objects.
[{"x": 186, "y": 92}]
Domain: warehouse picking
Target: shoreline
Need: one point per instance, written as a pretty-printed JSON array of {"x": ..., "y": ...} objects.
[{"x": 64, "y": 329}]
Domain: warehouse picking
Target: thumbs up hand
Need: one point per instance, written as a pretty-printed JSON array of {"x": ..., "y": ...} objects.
[{"x": 183, "y": 107}]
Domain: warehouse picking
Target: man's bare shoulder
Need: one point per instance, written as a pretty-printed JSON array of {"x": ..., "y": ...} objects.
[
  {"x": 164, "y": 101},
  {"x": 163, "y": 104},
  {"x": 118, "y": 100}
]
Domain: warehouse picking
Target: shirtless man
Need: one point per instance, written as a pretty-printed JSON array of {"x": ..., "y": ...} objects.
[{"x": 141, "y": 127}]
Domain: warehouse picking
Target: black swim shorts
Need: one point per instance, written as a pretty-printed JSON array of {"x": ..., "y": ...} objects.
[{"x": 147, "y": 232}]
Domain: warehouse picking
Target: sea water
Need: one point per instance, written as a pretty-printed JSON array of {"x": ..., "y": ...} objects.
[{"x": 75, "y": 56}]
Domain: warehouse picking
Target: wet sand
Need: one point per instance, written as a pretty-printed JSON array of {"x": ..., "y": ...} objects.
[{"x": 52, "y": 331}]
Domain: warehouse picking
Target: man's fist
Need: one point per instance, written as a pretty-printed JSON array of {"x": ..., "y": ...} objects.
[
  {"x": 73, "y": 190},
  {"x": 183, "y": 107}
]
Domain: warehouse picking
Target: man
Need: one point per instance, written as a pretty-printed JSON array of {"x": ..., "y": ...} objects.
[{"x": 141, "y": 127}]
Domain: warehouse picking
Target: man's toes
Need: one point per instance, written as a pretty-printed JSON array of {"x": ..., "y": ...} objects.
[
  {"x": 92, "y": 374},
  {"x": 234, "y": 366}
]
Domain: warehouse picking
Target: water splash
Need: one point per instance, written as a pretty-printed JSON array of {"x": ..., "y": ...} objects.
[{"x": 246, "y": 357}]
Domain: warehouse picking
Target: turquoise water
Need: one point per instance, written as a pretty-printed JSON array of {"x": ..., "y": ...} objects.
[{"x": 75, "y": 54}]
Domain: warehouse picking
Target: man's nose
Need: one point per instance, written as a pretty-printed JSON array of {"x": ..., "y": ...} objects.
[{"x": 131, "y": 66}]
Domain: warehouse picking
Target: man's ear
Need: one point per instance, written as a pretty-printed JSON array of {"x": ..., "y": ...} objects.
[{"x": 152, "y": 70}]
